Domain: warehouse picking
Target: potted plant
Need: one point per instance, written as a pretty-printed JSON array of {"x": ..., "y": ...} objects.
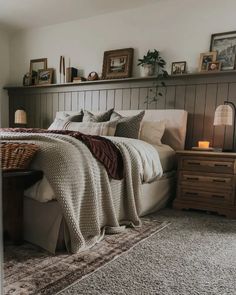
[{"x": 150, "y": 62}]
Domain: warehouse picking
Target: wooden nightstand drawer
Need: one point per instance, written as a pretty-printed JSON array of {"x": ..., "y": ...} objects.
[
  {"x": 192, "y": 178},
  {"x": 209, "y": 165},
  {"x": 196, "y": 195}
]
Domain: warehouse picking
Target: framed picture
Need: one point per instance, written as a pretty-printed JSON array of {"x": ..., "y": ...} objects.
[
  {"x": 205, "y": 58},
  {"x": 178, "y": 68},
  {"x": 35, "y": 66},
  {"x": 214, "y": 66},
  {"x": 225, "y": 45},
  {"x": 45, "y": 77},
  {"x": 117, "y": 63}
]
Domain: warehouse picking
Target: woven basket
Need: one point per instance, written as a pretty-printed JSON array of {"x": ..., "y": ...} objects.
[{"x": 17, "y": 156}]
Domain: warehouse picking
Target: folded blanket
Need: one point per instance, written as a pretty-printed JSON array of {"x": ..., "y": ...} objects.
[{"x": 102, "y": 148}]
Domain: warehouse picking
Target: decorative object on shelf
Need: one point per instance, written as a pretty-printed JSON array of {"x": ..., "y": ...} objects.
[
  {"x": 214, "y": 66},
  {"x": 20, "y": 117},
  {"x": 93, "y": 76},
  {"x": 206, "y": 58},
  {"x": 27, "y": 79},
  {"x": 178, "y": 68},
  {"x": 225, "y": 45},
  {"x": 45, "y": 77},
  {"x": 78, "y": 79},
  {"x": 225, "y": 116},
  {"x": 117, "y": 63},
  {"x": 35, "y": 66},
  {"x": 71, "y": 73},
  {"x": 62, "y": 70},
  {"x": 204, "y": 144},
  {"x": 150, "y": 62}
]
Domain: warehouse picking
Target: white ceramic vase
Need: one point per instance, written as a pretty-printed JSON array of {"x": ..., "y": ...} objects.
[{"x": 147, "y": 70}]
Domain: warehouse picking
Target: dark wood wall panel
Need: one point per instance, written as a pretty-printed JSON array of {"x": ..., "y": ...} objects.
[{"x": 198, "y": 95}]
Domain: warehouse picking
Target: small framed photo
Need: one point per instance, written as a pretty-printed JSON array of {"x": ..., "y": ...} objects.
[
  {"x": 117, "y": 63},
  {"x": 205, "y": 58},
  {"x": 214, "y": 66},
  {"x": 178, "y": 68},
  {"x": 45, "y": 76},
  {"x": 225, "y": 45}
]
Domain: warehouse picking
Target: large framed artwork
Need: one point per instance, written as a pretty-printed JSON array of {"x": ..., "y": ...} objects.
[
  {"x": 225, "y": 45},
  {"x": 117, "y": 63}
]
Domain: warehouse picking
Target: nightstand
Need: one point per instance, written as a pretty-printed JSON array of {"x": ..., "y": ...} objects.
[
  {"x": 206, "y": 181},
  {"x": 14, "y": 183}
]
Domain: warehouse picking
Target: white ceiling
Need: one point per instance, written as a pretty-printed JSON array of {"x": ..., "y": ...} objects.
[{"x": 24, "y": 14}]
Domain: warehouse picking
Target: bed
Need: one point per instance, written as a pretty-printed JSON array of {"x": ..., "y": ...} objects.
[{"x": 44, "y": 222}]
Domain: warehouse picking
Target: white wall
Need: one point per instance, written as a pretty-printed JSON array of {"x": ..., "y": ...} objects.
[
  {"x": 180, "y": 29},
  {"x": 4, "y": 76}
]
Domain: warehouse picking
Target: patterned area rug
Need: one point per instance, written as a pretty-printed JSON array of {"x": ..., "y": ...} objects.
[{"x": 30, "y": 270}]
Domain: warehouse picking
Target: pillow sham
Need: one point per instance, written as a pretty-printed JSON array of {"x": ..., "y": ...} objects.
[
  {"x": 58, "y": 123},
  {"x": 152, "y": 131},
  {"x": 103, "y": 117},
  {"x": 127, "y": 126},
  {"x": 92, "y": 128}
]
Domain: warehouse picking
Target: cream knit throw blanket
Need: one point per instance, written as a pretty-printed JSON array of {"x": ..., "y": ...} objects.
[{"x": 83, "y": 188}]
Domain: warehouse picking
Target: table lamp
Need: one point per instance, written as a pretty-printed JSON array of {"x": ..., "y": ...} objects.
[
  {"x": 20, "y": 117},
  {"x": 224, "y": 117}
]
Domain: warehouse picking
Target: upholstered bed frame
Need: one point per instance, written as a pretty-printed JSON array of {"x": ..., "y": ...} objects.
[{"x": 43, "y": 222}]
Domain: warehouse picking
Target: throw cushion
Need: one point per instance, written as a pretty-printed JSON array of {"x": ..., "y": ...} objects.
[
  {"x": 103, "y": 117},
  {"x": 152, "y": 131},
  {"x": 92, "y": 128},
  {"x": 128, "y": 126}
]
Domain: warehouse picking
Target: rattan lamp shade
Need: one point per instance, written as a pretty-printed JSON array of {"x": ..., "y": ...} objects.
[{"x": 20, "y": 117}]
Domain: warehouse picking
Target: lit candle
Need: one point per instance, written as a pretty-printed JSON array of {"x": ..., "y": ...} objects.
[{"x": 203, "y": 144}]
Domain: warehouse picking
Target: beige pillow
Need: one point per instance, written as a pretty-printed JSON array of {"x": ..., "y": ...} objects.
[
  {"x": 92, "y": 128},
  {"x": 152, "y": 131}
]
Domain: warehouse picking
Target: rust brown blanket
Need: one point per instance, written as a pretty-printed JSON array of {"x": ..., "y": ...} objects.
[{"x": 102, "y": 148}]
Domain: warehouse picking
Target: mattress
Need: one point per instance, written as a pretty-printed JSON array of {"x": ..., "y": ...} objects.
[{"x": 167, "y": 157}]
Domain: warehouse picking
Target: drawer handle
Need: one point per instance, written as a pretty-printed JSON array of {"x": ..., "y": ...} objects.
[
  {"x": 194, "y": 163},
  {"x": 218, "y": 196},
  {"x": 221, "y": 165},
  {"x": 218, "y": 180},
  {"x": 192, "y": 178},
  {"x": 191, "y": 194}
]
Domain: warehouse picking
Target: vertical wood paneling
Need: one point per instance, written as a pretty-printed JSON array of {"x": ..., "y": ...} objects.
[
  {"x": 229, "y": 129},
  {"x": 199, "y": 98},
  {"x": 74, "y": 101},
  {"x": 126, "y": 99},
  {"x": 190, "y": 107},
  {"x": 211, "y": 94},
  {"x": 198, "y": 120},
  {"x": 95, "y": 101},
  {"x": 110, "y": 99},
  {"x": 103, "y": 100},
  {"x": 118, "y": 99}
]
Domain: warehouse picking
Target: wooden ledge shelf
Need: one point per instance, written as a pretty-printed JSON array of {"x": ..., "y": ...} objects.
[{"x": 128, "y": 80}]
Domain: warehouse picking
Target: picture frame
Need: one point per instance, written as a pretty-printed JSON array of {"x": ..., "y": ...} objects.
[
  {"x": 45, "y": 77},
  {"x": 205, "y": 58},
  {"x": 118, "y": 63},
  {"x": 225, "y": 45},
  {"x": 214, "y": 66},
  {"x": 178, "y": 68},
  {"x": 35, "y": 66}
]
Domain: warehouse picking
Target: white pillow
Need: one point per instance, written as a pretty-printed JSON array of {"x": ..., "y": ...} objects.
[
  {"x": 57, "y": 124},
  {"x": 152, "y": 131},
  {"x": 93, "y": 128}
]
